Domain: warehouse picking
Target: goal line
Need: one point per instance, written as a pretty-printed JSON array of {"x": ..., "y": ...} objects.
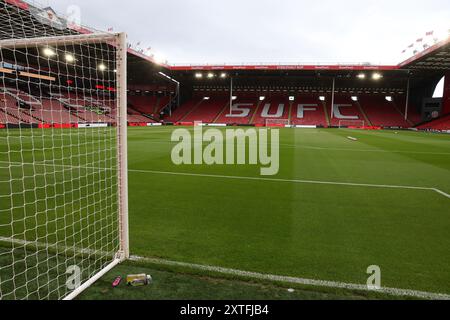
[{"x": 242, "y": 274}]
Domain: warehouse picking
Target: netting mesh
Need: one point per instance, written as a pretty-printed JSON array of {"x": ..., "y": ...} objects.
[
  {"x": 277, "y": 122},
  {"x": 59, "y": 179},
  {"x": 351, "y": 123}
]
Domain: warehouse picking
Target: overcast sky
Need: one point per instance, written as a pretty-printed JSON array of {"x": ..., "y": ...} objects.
[{"x": 233, "y": 31}]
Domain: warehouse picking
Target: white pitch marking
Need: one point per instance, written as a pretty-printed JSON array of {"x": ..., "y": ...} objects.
[
  {"x": 386, "y": 186},
  {"x": 363, "y": 150},
  {"x": 442, "y": 192},
  {"x": 294, "y": 280},
  {"x": 241, "y": 273},
  {"x": 350, "y": 184}
]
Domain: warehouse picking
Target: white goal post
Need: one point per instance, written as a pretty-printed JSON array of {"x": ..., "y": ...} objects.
[
  {"x": 63, "y": 163},
  {"x": 277, "y": 122},
  {"x": 352, "y": 123}
]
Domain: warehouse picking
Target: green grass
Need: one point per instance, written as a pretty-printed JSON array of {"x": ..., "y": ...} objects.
[
  {"x": 303, "y": 230},
  {"x": 315, "y": 231},
  {"x": 169, "y": 285}
]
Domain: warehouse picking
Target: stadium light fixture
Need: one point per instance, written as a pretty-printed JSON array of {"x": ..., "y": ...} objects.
[
  {"x": 262, "y": 98},
  {"x": 199, "y": 75},
  {"x": 48, "y": 52},
  {"x": 389, "y": 98},
  {"x": 361, "y": 76},
  {"x": 102, "y": 67},
  {"x": 206, "y": 98},
  {"x": 354, "y": 98},
  {"x": 69, "y": 58},
  {"x": 168, "y": 77},
  {"x": 158, "y": 58},
  {"x": 291, "y": 98},
  {"x": 322, "y": 98},
  {"x": 234, "y": 98},
  {"x": 210, "y": 75},
  {"x": 223, "y": 75},
  {"x": 377, "y": 76}
]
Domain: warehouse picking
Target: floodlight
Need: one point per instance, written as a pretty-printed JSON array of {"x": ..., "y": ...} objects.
[
  {"x": 291, "y": 98},
  {"x": 199, "y": 75},
  {"x": 234, "y": 98},
  {"x": 158, "y": 58},
  {"x": 355, "y": 98},
  {"x": 262, "y": 98},
  {"x": 377, "y": 76},
  {"x": 206, "y": 98},
  {"x": 69, "y": 58},
  {"x": 223, "y": 75},
  {"x": 322, "y": 98},
  {"x": 389, "y": 98},
  {"x": 48, "y": 52},
  {"x": 210, "y": 75},
  {"x": 361, "y": 76},
  {"x": 101, "y": 67}
]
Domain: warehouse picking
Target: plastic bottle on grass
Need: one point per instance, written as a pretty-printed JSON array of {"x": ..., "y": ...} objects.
[{"x": 138, "y": 280}]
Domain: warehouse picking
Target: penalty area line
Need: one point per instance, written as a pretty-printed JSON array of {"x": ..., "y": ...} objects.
[
  {"x": 350, "y": 184},
  {"x": 294, "y": 280}
]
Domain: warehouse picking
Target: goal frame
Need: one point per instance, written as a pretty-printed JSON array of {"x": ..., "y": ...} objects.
[
  {"x": 119, "y": 40},
  {"x": 348, "y": 123},
  {"x": 277, "y": 122}
]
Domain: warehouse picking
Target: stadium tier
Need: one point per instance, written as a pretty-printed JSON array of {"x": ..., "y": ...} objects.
[
  {"x": 442, "y": 123},
  {"x": 302, "y": 110},
  {"x": 20, "y": 107}
]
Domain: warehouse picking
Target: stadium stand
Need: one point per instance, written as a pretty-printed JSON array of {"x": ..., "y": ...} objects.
[
  {"x": 179, "y": 113},
  {"x": 306, "y": 109},
  {"x": 442, "y": 123},
  {"x": 271, "y": 108},
  {"x": 246, "y": 106},
  {"x": 18, "y": 106},
  {"x": 207, "y": 111},
  {"x": 381, "y": 112},
  {"x": 143, "y": 104}
]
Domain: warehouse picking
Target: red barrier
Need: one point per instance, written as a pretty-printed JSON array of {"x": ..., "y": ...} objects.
[
  {"x": 2, "y": 126},
  {"x": 137, "y": 124},
  {"x": 365, "y": 127},
  {"x": 65, "y": 125},
  {"x": 57, "y": 125},
  {"x": 185, "y": 124}
]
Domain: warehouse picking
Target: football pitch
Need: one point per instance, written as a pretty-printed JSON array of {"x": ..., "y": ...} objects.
[{"x": 335, "y": 208}]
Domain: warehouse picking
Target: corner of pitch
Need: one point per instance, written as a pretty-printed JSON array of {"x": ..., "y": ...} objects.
[{"x": 228, "y": 147}]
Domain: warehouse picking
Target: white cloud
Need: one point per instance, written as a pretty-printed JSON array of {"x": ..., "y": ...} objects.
[{"x": 200, "y": 31}]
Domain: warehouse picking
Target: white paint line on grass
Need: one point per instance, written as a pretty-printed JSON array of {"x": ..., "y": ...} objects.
[
  {"x": 442, "y": 192},
  {"x": 294, "y": 280},
  {"x": 350, "y": 184},
  {"x": 240, "y": 273},
  {"x": 364, "y": 150},
  {"x": 318, "y": 182}
]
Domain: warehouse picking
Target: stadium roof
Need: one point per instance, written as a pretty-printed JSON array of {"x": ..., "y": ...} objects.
[{"x": 436, "y": 57}]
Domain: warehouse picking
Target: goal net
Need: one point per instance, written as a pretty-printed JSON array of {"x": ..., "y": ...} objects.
[
  {"x": 277, "y": 122},
  {"x": 63, "y": 160},
  {"x": 352, "y": 124}
]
